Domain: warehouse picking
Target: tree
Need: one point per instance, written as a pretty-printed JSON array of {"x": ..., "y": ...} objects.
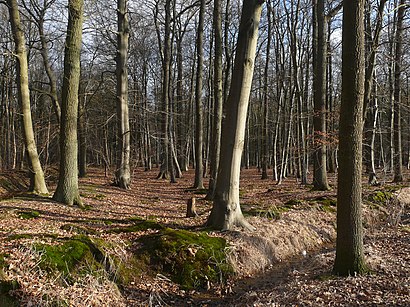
[
  {"x": 199, "y": 184},
  {"x": 349, "y": 243},
  {"x": 226, "y": 211},
  {"x": 67, "y": 188},
  {"x": 319, "y": 96},
  {"x": 37, "y": 11},
  {"x": 370, "y": 110},
  {"x": 218, "y": 100},
  {"x": 123, "y": 173},
  {"x": 398, "y": 160},
  {"x": 37, "y": 181}
]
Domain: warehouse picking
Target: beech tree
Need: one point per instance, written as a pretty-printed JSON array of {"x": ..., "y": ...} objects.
[
  {"x": 218, "y": 100},
  {"x": 320, "y": 181},
  {"x": 37, "y": 181},
  {"x": 123, "y": 172},
  {"x": 398, "y": 159},
  {"x": 67, "y": 189},
  {"x": 349, "y": 243},
  {"x": 198, "y": 101},
  {"x": 226, "y": 211}
]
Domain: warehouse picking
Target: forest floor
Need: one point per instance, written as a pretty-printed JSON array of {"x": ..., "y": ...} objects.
[{"x": 287, "y": 261}]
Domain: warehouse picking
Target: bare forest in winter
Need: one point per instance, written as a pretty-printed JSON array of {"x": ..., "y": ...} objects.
[{"x": 204, "y": 153}]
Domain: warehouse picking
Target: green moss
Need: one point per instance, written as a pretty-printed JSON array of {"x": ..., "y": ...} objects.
[
  {"x": 326, "y": 201},
  {"x": 381, "y": 198},
  {"x": 29, "y": 214},
  {"x": 71, "y": 258},
  {"x": 272, "y": 213},
  {"x": 191, "y": 259},
  {"x": 139, "y": 225},
  {"x": 77, "y": 229},
  {"x": 405, "y": 228}
]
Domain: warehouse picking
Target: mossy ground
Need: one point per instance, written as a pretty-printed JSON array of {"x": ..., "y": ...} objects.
[
  {"x": 191, "y": 259},
  {"x": 75, "y": 256},
  {"x": 29, "y": 214}
]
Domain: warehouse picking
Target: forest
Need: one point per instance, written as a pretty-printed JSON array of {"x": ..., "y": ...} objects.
[{"x": 204, "y": 153}]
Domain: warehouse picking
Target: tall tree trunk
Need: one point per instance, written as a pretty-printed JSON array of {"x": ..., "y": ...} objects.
[
  {"x": 320, "y": 181},
  {"x": 370, "y": 110},
  {"x": 67, "y": 189},
  {"x": 123, "y": 172},
  {"x": 82, "y": 137},
  {"x": 218, "y": 100},
  {"x": 265, "y": 113},
  {"x": 37, "y": 181},
  {"x": 166, "y": 63},
  {"x": 199, "y": 184},
  {"x": 349, "y": 243},
  {"x": 398, "y": 159},
  {"x": 226, "y": 210}
]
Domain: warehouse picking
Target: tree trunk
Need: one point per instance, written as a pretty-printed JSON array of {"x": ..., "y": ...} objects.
[
  {"x": 349, "y": 243},
  {"x": 226, "y": 210},
  {"x": 370, "y": 110},
  {"x": 265, "y": 114},
  {"x": 67, "y": 189},
  {"x": 123, "y": 172},
  {"x": 82, "y": 137},
  {"x": 319, "y": 97},
  {"x": 199, "y": 184},
  {"x": 37, "y": 181},
  {"x": 218, "y": 101},
  {"x": 398, "y": 160},
  {"x": 166, "y": 63}
]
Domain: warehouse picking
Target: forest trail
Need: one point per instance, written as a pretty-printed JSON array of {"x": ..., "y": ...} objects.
[{"x": 272, "y": 266}]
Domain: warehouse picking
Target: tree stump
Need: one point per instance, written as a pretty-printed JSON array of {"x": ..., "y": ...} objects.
[{"x": 191, "y": 208}]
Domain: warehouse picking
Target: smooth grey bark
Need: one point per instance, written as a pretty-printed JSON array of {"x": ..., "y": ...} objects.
[
  {"x": 67, "y": 189},
  {"x": 199, "y": 130},
  {"x": 166, "y": 63},
  {"x": 349, "y": 243},
  {"x": 265, "y": 114},
  {"x": 398, "y": 157},
  {"x": 218, "y": 101},
  {"x": 123, "y": 173},
  {"x": 37, "y": 181},
  {"x": 82, "y": 137},
  {"x": 226, "y": 211},
  {"x": 370, "y": 105},
  {"x": 320, "y": 181}
]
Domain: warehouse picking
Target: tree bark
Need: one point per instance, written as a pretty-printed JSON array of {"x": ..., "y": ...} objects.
[
  {"x": 320, "y": 181},
  {"x": 226, "y": 210},
  {"x": 123, "y": 172},
  {"x": 218, "y": 101},
  {"x": 370, "y": 110},
  {"x": 349, "y": 243},
  {"x": 199, "y": 183},
  {"x": 37, "y": 181},
  {"x": 398, "y": 158},
  {"x": 67, "y": 189}
]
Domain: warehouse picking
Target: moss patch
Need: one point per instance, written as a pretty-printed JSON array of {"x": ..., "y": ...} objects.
[
  {"x": 190, "y": 259},
  {"x": 71, "y": 258},
  {"x": 77, "y": 229},
  {"x": 380, "y": 198},
  {"x": 272, "y": 212},
  {"x": 138, "y": 225},
  {"x": 29, "y": 214}
]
